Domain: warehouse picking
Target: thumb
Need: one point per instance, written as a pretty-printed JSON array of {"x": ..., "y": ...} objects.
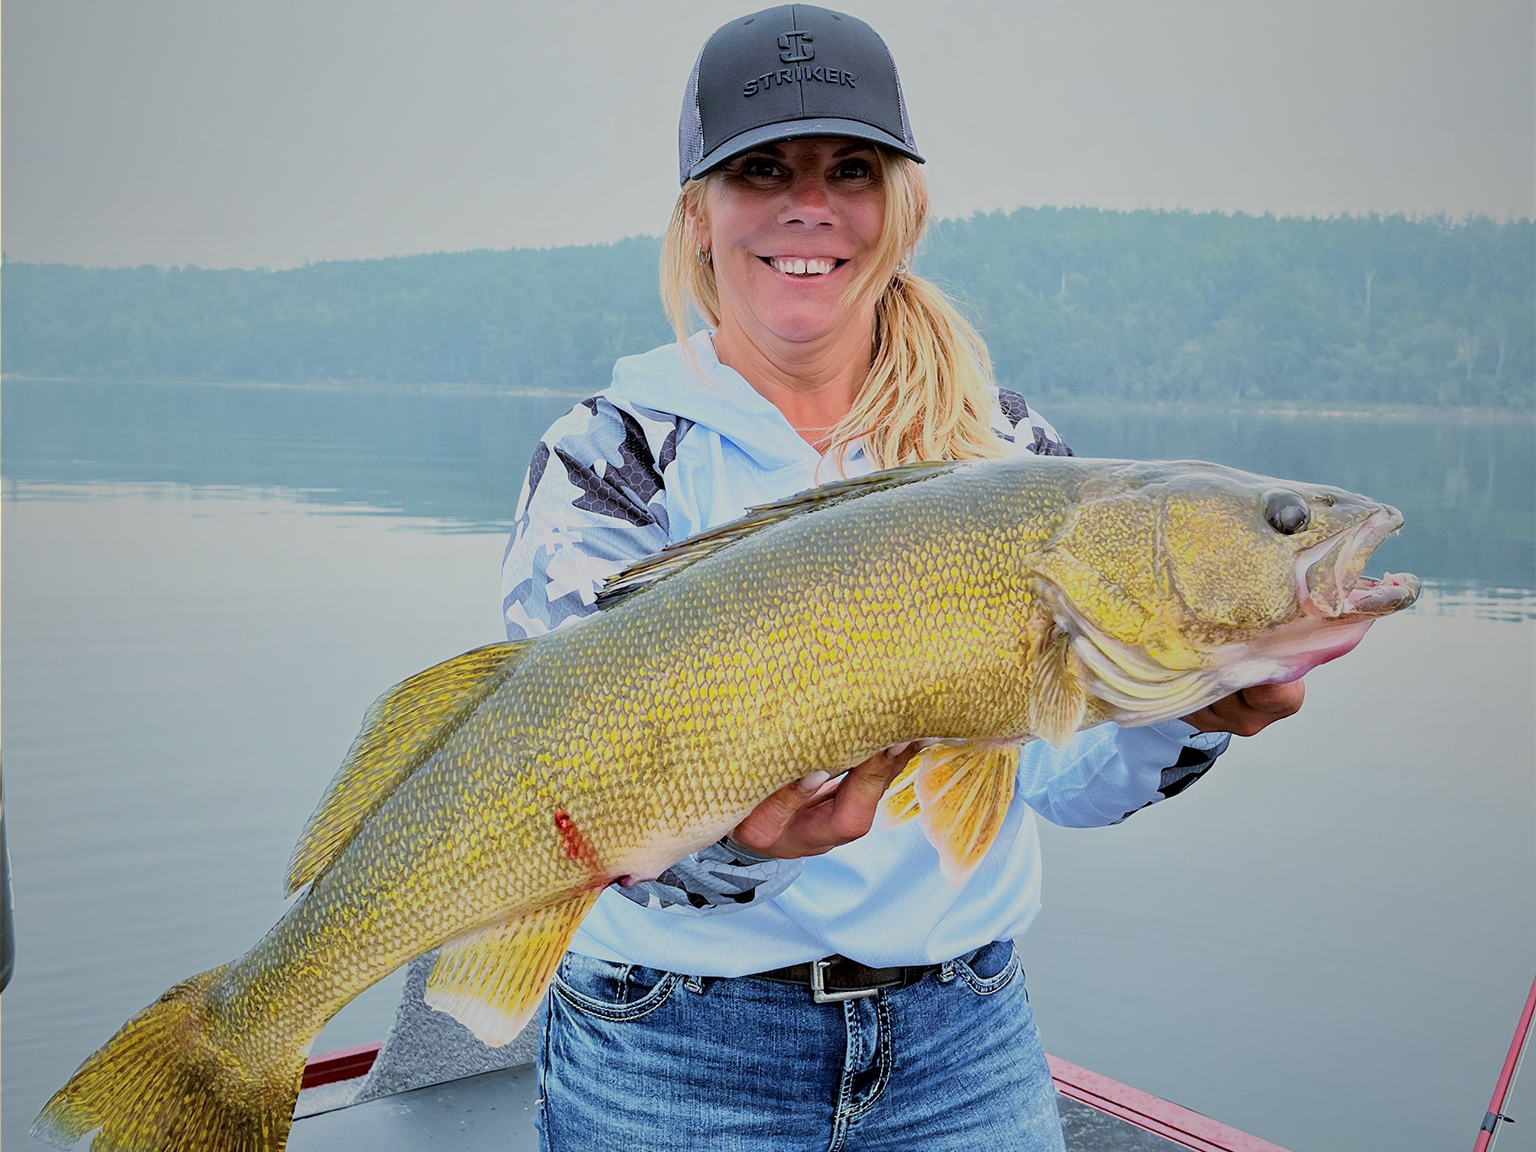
[{"x": 766, "y": 823}]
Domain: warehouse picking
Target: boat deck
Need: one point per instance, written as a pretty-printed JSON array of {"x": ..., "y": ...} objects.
[{"x": 494, "y": 1111}]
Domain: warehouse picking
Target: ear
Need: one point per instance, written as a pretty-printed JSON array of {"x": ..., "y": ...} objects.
[
  {"x": 697, "y": 221},
  {"x": 1057, "y": 690}
]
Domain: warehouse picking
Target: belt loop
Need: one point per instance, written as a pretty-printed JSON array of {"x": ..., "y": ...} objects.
[
  {"x": 694, "y": 984},
  {"x": 946, "y": 972}
]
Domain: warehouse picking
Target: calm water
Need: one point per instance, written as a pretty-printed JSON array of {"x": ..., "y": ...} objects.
[{"x": 1325, "y": 943}]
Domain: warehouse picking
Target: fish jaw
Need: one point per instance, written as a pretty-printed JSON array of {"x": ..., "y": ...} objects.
[
  {"x": 1329, "y": 575},
  {"x": 1338, "y": 604}
]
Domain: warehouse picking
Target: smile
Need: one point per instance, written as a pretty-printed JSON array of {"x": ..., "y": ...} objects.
[{"x": 803, "y": 265}]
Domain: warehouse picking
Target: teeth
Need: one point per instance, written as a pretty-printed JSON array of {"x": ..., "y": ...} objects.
[{"x": 798, "y": 266}]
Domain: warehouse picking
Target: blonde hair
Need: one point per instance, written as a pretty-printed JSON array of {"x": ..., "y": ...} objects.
[{"x": 929, "y": 393}]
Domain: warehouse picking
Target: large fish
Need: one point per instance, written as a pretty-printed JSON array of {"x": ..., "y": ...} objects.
[{"x": 488, "y": 800}]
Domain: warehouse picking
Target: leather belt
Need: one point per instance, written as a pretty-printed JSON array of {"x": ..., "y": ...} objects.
[{"x": 837, "y": 978}]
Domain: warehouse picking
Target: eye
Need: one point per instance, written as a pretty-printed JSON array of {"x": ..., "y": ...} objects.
[
  {"x": 1286, "y": 512},
  {"x": 854, "y": 170},
  {"x": 760, "y": 170}
]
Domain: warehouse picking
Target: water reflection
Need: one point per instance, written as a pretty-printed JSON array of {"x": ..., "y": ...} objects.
[{"x": 1466, "y": 488}]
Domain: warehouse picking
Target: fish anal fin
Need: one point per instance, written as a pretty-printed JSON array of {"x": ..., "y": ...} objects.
[
  {"x": 963, "y": 792},
  {"x": 899, "y": 804},
  {"x": 401, "y": 729},
  {"x": 491, "y": 980},
  {"x": 645, "y": 574}
]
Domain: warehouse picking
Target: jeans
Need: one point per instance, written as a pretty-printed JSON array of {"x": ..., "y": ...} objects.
[{"x": 637, "y": 1060}]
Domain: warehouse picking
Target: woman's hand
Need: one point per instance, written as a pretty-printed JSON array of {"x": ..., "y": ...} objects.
[
  {"x": 817, "y": 813},
  {"x": 1250, "y": 710}
]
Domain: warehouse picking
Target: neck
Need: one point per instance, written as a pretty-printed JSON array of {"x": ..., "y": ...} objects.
[{"x": 812, "y": 382}]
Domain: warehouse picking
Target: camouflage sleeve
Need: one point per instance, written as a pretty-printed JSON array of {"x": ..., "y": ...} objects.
[
  {"x": 594, "y": 502},
  {"x": 1018, "y": 423}
]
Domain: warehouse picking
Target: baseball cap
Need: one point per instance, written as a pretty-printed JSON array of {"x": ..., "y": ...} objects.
[{"x": 789, "y": 72}]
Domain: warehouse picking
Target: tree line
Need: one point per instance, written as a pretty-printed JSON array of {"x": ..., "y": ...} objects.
[{"x": 1144, "y": 305}]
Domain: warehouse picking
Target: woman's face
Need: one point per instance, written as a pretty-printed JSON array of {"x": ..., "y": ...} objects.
[{"x": 789, "y": 226}]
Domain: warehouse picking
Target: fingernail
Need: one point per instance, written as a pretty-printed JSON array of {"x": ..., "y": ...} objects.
[
  {"x": 813, "y": 780},
  {"x": 898, "y": 749}
]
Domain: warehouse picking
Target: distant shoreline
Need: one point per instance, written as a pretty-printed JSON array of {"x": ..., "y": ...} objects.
[{"x": 1049, "y": 404}]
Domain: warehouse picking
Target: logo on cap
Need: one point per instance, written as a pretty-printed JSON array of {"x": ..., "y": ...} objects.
[{"x": 796, "y": 47}]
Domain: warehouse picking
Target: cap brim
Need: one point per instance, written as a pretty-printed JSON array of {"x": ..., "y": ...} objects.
[{"x": 799, "y": 130}]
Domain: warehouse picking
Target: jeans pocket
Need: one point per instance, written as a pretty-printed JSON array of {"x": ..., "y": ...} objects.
[
  {"x": 610, "y": 991},
  {"x": 980, "y": 970}
]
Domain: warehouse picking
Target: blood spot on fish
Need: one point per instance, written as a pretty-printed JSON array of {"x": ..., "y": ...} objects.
[{"x": 576, "y": 846}]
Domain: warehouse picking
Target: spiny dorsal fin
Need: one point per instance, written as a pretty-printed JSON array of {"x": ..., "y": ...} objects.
[
  {"x": 492, "y": 979},
  {"x": 401, "y": 729},
  {"x": 648, "y": 572}
]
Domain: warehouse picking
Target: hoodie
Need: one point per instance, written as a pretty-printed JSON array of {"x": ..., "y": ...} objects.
[{"x": 668, "y": 451}]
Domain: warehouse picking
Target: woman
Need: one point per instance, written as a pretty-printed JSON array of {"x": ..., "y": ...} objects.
[{"x": 803, "y": 985}]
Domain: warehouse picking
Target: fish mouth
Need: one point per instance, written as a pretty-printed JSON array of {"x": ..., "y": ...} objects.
[{"x": 1330, "y": 575}]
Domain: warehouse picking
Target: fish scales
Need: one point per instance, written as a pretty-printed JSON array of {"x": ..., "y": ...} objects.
[
  {"x": 852, "y": 651},
  {"x": 965, "y": 606}
]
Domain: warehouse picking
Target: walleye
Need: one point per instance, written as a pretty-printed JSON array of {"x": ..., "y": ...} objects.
[{"x": 488, "y": 800}]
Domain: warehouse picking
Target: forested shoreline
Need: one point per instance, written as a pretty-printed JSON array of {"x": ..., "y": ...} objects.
[{"x": 1143, "y": 306}]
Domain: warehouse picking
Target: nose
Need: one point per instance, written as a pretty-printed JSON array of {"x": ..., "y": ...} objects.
[{"x": 808, "y": 202}]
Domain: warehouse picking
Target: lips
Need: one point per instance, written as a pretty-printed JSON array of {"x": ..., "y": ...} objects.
[{"x": 1331, "y": 573}]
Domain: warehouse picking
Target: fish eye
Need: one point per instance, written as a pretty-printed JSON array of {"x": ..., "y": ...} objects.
[{"x": 1286, "y": 512}]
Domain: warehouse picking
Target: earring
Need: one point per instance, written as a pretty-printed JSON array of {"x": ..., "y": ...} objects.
[{"x": 702, "y": 255}]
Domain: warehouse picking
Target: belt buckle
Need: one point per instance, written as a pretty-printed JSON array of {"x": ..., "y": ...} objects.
[{"x": 819, "y": 991}]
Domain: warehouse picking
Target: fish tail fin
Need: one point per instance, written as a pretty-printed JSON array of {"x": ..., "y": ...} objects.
[{"x": 164, "y": 1081}]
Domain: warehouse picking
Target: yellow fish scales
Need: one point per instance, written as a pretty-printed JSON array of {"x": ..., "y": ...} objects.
[{"x": 489, "y": 799}]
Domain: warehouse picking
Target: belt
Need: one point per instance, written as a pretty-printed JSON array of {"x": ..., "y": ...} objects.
[{"x": 839, "y": 978}]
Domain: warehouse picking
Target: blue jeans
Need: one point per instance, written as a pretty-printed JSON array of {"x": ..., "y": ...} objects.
[{"x": 638, "y": 1060}]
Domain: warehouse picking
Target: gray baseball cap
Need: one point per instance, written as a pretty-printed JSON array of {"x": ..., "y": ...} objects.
[{"x": 785, "y": 73}]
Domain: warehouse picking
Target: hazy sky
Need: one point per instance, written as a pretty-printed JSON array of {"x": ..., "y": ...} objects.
[{"x": 274, "y": 133}]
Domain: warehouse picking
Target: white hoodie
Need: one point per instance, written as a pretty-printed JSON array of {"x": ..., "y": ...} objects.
[{"x": 667, "y": 452}]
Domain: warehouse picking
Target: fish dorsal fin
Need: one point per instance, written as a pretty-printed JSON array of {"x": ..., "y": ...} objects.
[
  {"x": 491, "y": 980},
  {"x": 648, "y": 572},
  {"x": 401, "y": 729},
  {"x": 959, "y": 794}
]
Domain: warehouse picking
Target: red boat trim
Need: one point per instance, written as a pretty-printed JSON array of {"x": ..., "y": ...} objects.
[
  {"x": 347, "y": 1064},
  {"x": 1183, "y": 1127},
  {"x": 1507, "y": 1074}
]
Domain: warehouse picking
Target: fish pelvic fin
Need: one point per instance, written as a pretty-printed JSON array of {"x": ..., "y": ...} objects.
[
  {"x": 646, "y": 573},
  {"x": 961, "y": 794},
  {"x": 165, "y": 1082},
  {"x": 401, "y": 730},
  {"x": 492, "y": 980},
  {"x": 899, "y": 804}
]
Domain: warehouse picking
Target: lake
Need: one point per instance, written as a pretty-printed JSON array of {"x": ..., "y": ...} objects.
[{"x": 1326, "y": 942}]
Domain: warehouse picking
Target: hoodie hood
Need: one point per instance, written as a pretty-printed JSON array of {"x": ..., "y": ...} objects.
[{"x": 715, "y": 397}]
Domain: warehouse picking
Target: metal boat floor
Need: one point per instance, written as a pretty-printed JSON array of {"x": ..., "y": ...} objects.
[{"x": 495, "y": 1111}]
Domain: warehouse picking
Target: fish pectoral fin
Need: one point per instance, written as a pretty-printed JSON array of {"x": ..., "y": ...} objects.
[
  {"x": 1057, "y": 697},
  {"x": 963, "y": 792},
  {"x": 491, "y": 980},
  {"x": 401, "y": 729},
  {"x": 899, "y": 804}
]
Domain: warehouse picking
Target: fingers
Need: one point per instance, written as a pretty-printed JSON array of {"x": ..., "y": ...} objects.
[
  {"x": 816, "y": 814},
  {"x": 1249, "y": 711},
  {"x": 765, "y": 824}
]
